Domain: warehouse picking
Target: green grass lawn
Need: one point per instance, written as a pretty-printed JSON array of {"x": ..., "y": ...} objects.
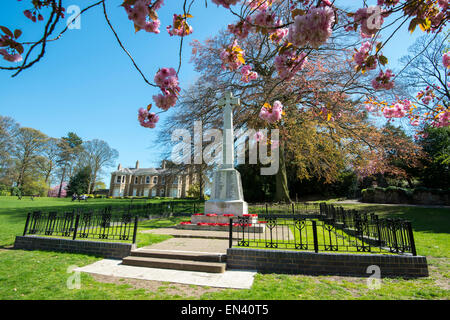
[{"x": 43, "y": 275}]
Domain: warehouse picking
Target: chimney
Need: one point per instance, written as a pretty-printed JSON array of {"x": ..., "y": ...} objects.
[
  {"x": 119, "y": 167},
  {"x": 137, "y": 164},
  {"x": 164, "y": 164}
]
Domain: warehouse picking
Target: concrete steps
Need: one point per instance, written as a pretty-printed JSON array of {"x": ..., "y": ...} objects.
[{"x": 177, "y": 260}]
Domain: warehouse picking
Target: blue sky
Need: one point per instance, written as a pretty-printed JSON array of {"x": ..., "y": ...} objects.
[{"x": 86, "y": 84}]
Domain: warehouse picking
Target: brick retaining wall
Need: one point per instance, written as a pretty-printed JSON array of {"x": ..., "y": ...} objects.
[
  {"x": 299, "y": 262},
  {"x": 112, "y": 250}
]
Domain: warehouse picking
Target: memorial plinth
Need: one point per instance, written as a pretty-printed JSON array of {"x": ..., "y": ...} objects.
[{"x": 227, "y": 197}]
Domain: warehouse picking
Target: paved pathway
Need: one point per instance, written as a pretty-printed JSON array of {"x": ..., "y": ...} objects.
[
  {"x": 237, "y": 279},
  {"x": 191, "y": 244}
]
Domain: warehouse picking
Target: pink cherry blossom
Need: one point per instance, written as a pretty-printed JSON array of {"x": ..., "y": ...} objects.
[
  {"x": 279, "y": 35},
  {"x": 267, "y": 21},
  {"x": 225, "y": 3},
  {"x": 443, "y": 119},
  {"x": 313, "y": 28},
  {"x": 247, "y": 74},
  {"x": 241, "y": 29},
  {"x": 271, "y": 114},
  {"x": 446, "y": 59},
  {"x": 167, "y": 80},
  {"x": 289, "y": 63},
  {"x": 139, "y": 13},
  {"x": 370, "y": 20},
  {"x": 360, "y": 57},
  {"x": 147, "y": 119},
  {"x": 259, "y": 136},
  {"x": 232, "y": 56},
  {"x": 180, "y": 26},
  {"x": 259, "y": 4},
  {"x": 398, "y": 110},
  {"x": 10, "y": 57},
  {"x": 383, "y": 80}
]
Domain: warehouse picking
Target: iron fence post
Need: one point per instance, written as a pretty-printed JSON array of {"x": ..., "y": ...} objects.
[
  {"x": 135, "y": 229},
  {"x": 26, "y": 223},
  {"x": 411, "y": 239},
  {"x": 76, "y": 227},
  {"x": 267, "y": 210},
  {"x": 316, "y": 244},
  {"x": 230, "y": 235}
]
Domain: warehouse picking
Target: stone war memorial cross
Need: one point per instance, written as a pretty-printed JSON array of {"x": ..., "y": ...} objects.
[{"x": 226, "y": 193}]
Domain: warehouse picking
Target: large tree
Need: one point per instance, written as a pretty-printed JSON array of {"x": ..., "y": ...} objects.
[
  {"x": 29, "y": 143},
  {"x": 70, "y": 147},
  {"x": 98, "y": 155},
  {"x": 47, "y": 162},
  {"x": 8, "y": 129},
  {"x": 79, "y": 182}
]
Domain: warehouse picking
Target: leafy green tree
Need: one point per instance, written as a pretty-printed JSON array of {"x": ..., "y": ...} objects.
[
  {"x": 79, "y": 182},
  {"x": 69, "y": 148},
  {"x": 29, "y": 143},
  {"x": 436, "y": 170}
]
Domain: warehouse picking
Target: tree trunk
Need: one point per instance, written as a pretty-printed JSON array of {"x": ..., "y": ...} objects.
[
  {"x": 200, "y": 181},
  {"x": 62, "y": 180},
  {"x": 282, "y": 190}
]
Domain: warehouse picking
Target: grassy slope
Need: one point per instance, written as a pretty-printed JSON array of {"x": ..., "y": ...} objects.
[{"x": 43, "y": 275}]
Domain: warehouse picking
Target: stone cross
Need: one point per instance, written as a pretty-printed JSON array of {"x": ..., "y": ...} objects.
[{"x": 227, "y": 102}]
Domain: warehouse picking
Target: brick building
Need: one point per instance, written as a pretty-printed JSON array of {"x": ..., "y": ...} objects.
[{"x": 167, "y": 181}]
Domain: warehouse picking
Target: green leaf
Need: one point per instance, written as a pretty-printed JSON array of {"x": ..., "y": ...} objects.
[
  {"x": 379, "y": 44},
  {"x": 17, "y": 33},
  {"x": 6, "y": 31},
  {"x": 19, "y": 48},
  {"x": 425, "y": 25},
  {"x": 413, "y": 24},
  {"x": 383, "y": 60}
]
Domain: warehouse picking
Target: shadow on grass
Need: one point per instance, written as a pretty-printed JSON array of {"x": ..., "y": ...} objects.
[{"x": 434, "y": 220}]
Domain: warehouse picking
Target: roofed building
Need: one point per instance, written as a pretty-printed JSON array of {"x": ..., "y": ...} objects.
[{"x": 167, "y": 181}]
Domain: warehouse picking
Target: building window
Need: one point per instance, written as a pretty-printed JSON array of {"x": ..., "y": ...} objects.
[
  {"x": 155, "y": 180},
  {"x": 123, "y": 179},
  {"x": 136, "y": 180},
  {"x": 163, "y": 180},
  {"x": 147, "y": 179},
  {"x": 175, "y": 181},
  {"x": 119, "y": 178}
]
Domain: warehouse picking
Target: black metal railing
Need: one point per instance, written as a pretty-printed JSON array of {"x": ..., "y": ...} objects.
[
  {"x": 83, "y": 225},
  {"x": 332, "y": 229}
]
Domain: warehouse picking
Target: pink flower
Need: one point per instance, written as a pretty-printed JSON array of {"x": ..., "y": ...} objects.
[
  {"x": 241, "y": 29},
  {"x": 180, "y": 26},
  {"x": 446, "y": 59},
  {"x": 443, "y": 119},
  {"x": 289, "y": 63},
  {"x": 279, "y": 35},
  {"x": 383, "y": 81},
  {"x": 225, "y": 3},
  {"x": 271, "y": 114},
  {"x": 140, "y": 13},
  {"x": 313, "y": 28},
  {"x": 398, "y": 110},
  {"x": 147, "y": 119},
  {"x": 370, "y": 20},
  {"x": 259, "y": 136},
  {"x": 10, "y": 57},
  {"x": 360, "y": 57},
  {"x": 232, "y": 56},
  {"x": 260, "y": 4},
  {"x": 247, "y": 74}
]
